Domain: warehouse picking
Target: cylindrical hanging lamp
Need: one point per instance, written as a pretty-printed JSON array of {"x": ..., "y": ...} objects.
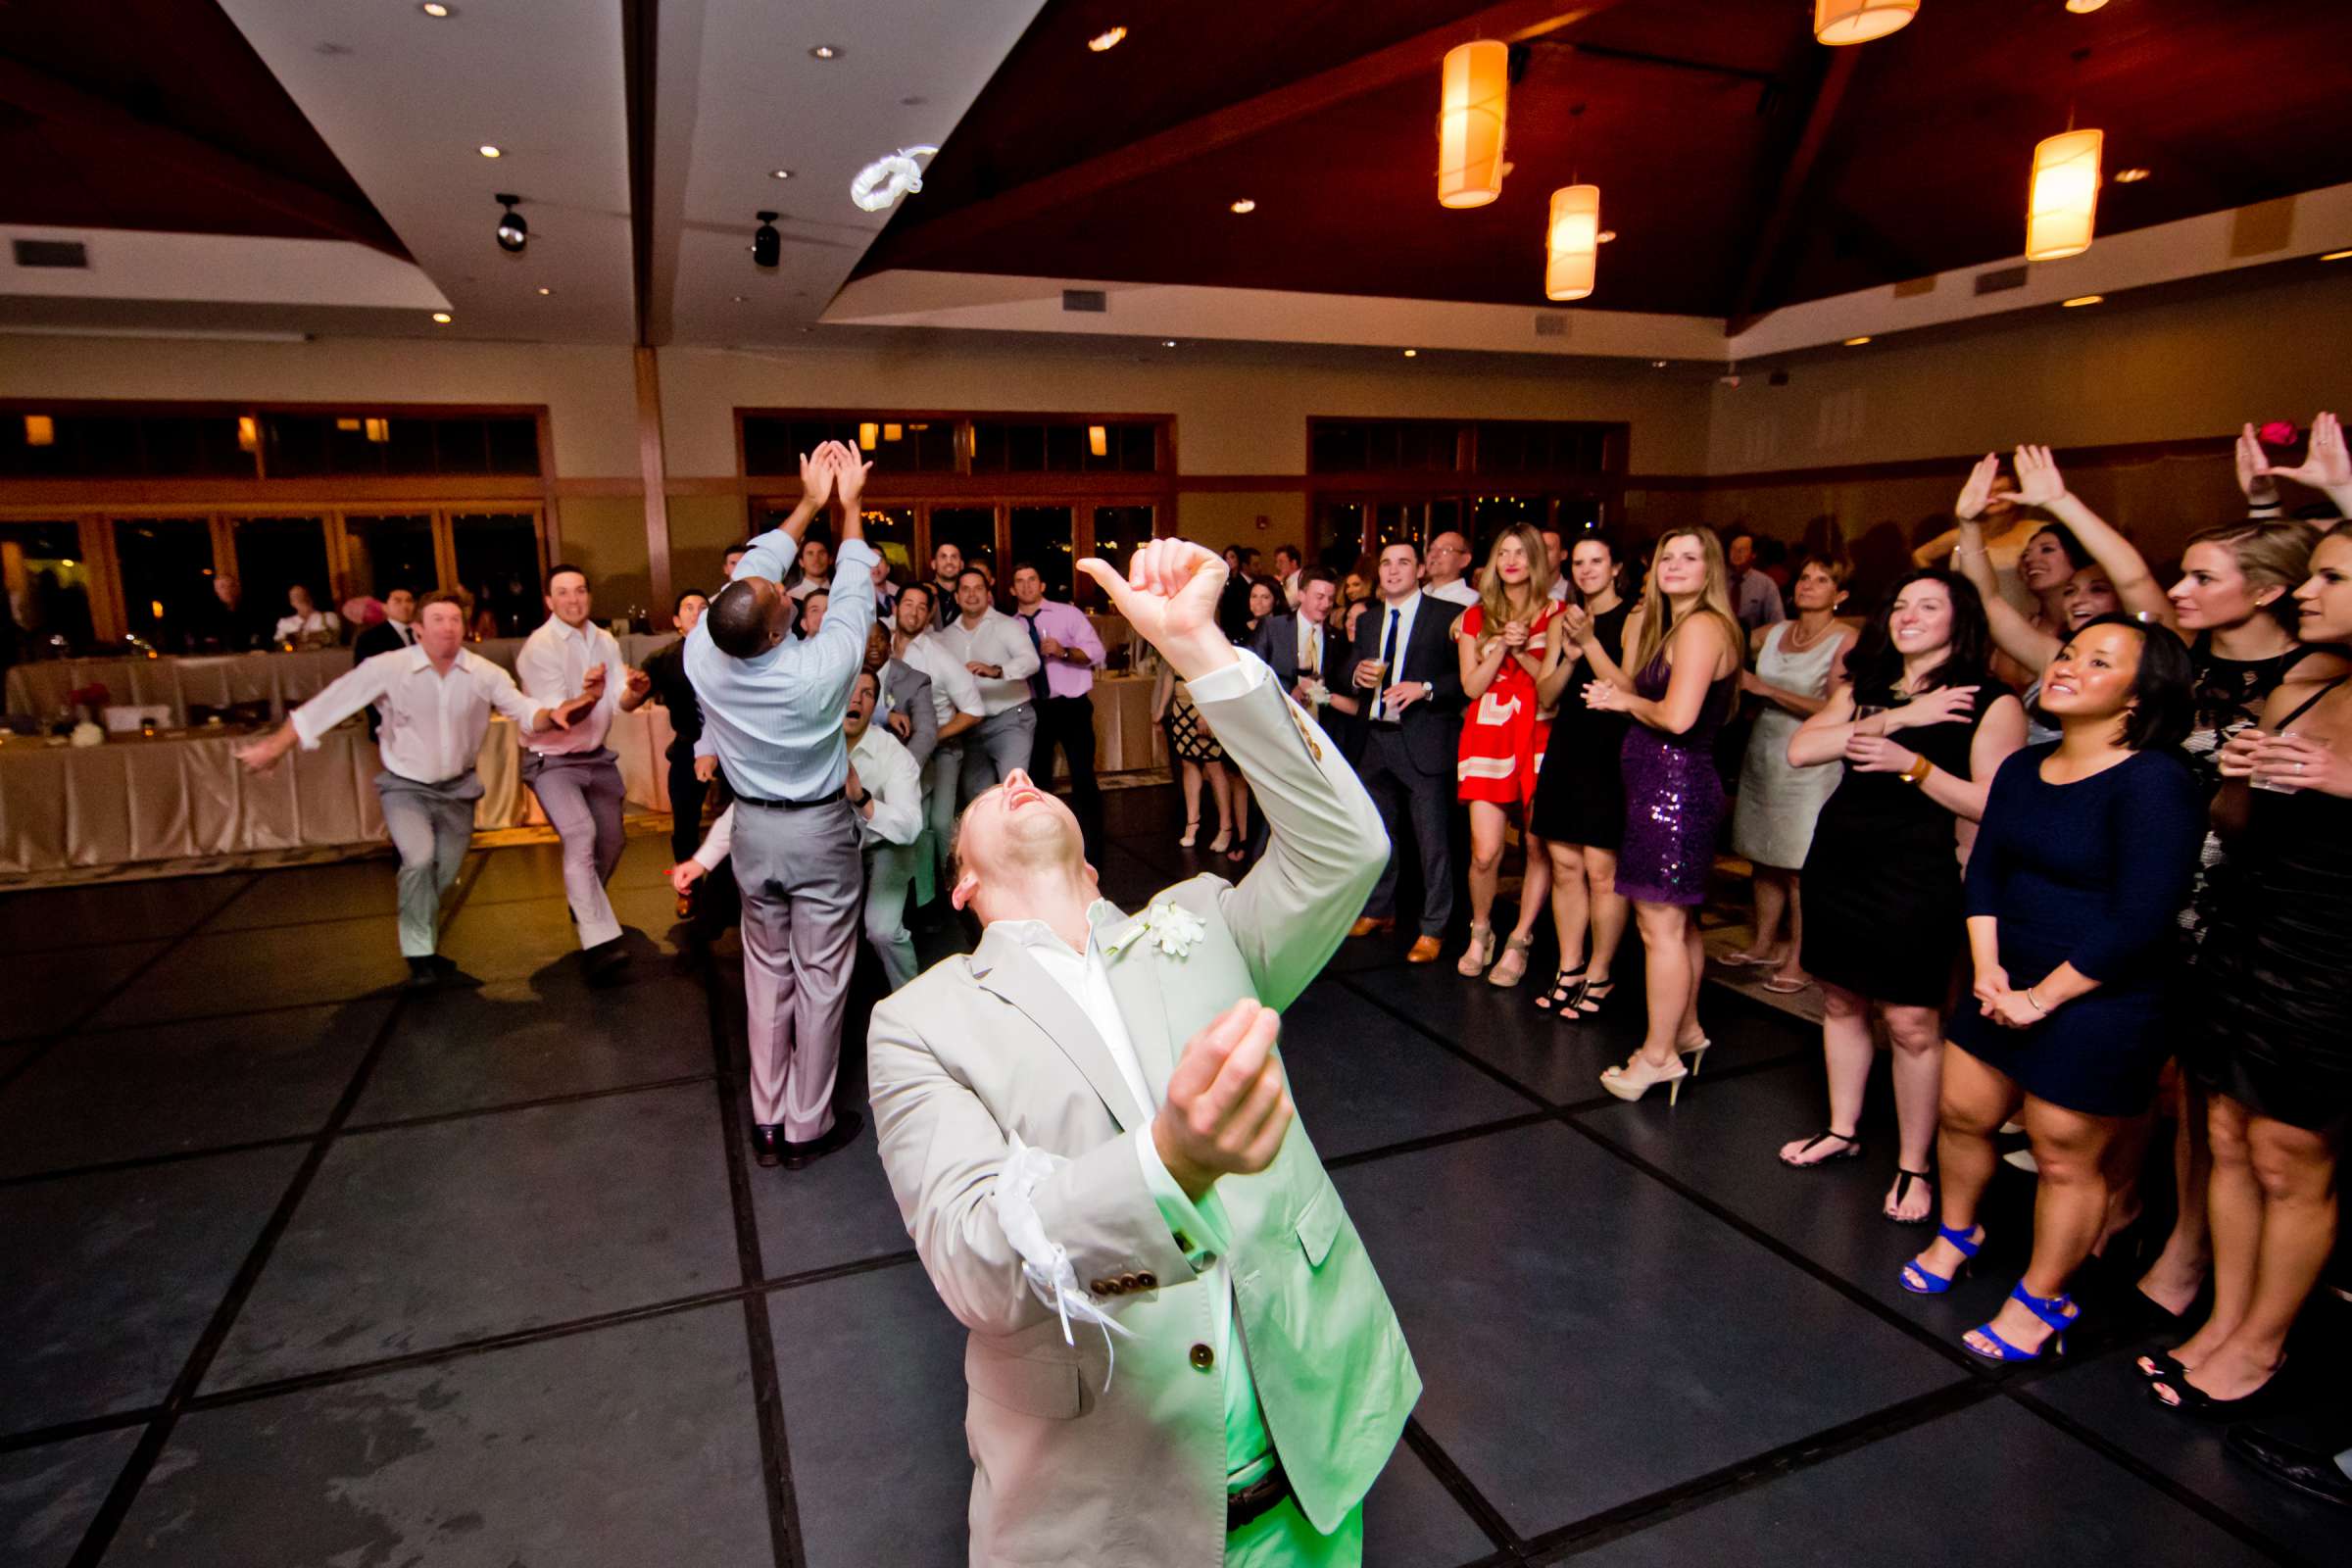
[
  {"x": 2063, "y": 201},
  {"x": 1574, "y": 242},
  {"x": 1840, "y": 22},
  {"x": 1098, "y": 440},
  {"x": 1472, "y": 107}
]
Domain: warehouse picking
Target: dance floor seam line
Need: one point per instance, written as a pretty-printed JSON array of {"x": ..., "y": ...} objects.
[
  {"x": 1461, "y": 1489},
  {"x": 571, "y": 1097},
  {"x": 1458, "y": 1135},
  {"x": 176, "y": 1157},
  {"x": 1757, "y": 1470},
  {"x": 136, "y": 1469},
  {"x": 767, "y": 1388}
]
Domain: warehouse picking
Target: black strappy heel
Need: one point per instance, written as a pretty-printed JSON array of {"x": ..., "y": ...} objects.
[
  {"x": 1567, "y": 988},
  {"x": 1596, "y": 996},
  {"x": 1851, "y": 1150}
]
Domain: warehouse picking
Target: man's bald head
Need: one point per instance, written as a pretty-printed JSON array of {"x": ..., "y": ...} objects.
[{"x": 749, "y": 616}]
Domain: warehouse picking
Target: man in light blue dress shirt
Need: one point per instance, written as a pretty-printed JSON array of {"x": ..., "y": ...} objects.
[{"x": 772, "y": 706}]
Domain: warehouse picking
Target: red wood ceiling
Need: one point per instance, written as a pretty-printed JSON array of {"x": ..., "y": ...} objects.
[
  {"x": 157, "y": 115},
  {"x": 1693, "y": 110}
]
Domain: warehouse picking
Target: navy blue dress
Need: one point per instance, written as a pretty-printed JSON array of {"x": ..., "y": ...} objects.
[{"x": 2093, "y": 874}]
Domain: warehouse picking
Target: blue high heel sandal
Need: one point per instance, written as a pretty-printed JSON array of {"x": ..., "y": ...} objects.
[
  {"x": 1937, "y": 1284},
  {"x": 2058, "y": 1311}
]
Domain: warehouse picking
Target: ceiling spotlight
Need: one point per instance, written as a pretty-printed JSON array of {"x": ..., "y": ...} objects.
[
  {"x": 824, "y": 51},
  {"x": 514, "y": 233},
  {"x": 1657, "y": 365},
  {"x": 442, "y": 318},
  {"x": 2337, "y": 256},
  {"x": 2131, "y": 176},
  {"x": 489, "y": 151},
  {"x": 1857, "y": 342},
  {"x": 1604, "y": 237},
  {"x": 2084, "y": 6},
  {"x": 767, "y": 246},
  {"x": 435, "y": 9},
  {"x": 2082, "y": 299},
  {"x": 1168, "y": 342},
  {"x": 779, "y": 173},
  {"x": 1245, "y": 205},
  {"x": 544, "y": 289},
  {"x": 1106, "y": 40},
  {"x": 739, "y": 298},
  {"x": 1412, "y": 354}
]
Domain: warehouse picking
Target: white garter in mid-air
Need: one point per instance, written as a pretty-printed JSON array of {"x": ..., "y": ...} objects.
[{"x": 1045, "y": 1263}]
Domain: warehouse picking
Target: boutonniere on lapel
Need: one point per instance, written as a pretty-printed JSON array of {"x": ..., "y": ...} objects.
[{"x": 1170, "y": 927}]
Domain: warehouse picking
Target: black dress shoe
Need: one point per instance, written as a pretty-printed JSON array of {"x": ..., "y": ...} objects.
[
  {"x": 423, "y": 974},
  {"x": 764, "y": 1143},
  {"x": 605, "y": 961},
  {"x": 801, "y": 1156},
  {"x": 2305, "y": 1469}
]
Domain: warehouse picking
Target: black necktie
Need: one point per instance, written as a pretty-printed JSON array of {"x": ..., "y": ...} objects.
[
  {"x": 1388, "y": 665},
  {"x": 1039, "y": 687}
]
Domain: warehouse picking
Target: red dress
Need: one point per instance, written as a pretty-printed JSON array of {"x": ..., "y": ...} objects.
[{"x": 1503, "y": 739}]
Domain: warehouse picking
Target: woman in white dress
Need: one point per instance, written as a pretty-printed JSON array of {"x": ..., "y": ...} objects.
[
  {"x": 1796, "y": 663},
  {"x": 307, "y": 626}
]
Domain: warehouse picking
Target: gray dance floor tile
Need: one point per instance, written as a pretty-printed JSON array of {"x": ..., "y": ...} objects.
[
  {"x": 238, "y": 972},
  {"x": 635, "y": 1445},
  {"x": 871, "y": 1368},
  {"x": 1584, "y": 1332},
  {"x": 1723, "y": 1142},
  {"x": 298, "y": 894},
  {"x": 429, "y": 1235},
  {"x": 881, "y": 1344},
  {"x": 523, "y": 938},
  {"x": 48, "y": 994},
  {"x": 1987, "y": 1485},
  {"x": 510, "y": 1041},
  {"x": 1563, "y": 1061},
  {"x": 2108, "y": 1396},
  {"x": 49, "y": 918},
  {"x": 115, "y": 1276},
  {"x": 1362, "y": 1080},
  {"x": 838, "y": 1210},
  {"x": 171, "y": 1087},
  {"x": 49, "y": 1494}
]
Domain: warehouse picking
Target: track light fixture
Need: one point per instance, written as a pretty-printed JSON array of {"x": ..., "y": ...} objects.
[
  {"x": 514, "y": 233},
  {"x": 767, "y": 246}
]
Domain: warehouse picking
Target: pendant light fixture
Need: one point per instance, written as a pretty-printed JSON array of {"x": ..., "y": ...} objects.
[
  {"x": 1844, "y": 21},
  {"x": 1473, "y": 104},
  {"x": 1573, "y": 246},
  {"x": 2062, "y": 200}
]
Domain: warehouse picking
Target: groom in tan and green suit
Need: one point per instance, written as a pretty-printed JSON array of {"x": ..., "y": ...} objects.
[{"x": 1179, "y": 1351}]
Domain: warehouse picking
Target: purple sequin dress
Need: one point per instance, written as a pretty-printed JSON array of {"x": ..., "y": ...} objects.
[{"x": 1673, "y": 798}]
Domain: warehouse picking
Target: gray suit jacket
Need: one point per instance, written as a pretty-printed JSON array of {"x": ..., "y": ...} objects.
[
  {"x": 910, "y": 692},
  {"x": 986, "y": 1046}
]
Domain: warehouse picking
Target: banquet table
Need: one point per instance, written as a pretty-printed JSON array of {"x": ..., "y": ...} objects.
[
  {"x": 1126, "y": 741},
  {"x": 218, "y": 680},
  {"x": 183, "y": 795}
]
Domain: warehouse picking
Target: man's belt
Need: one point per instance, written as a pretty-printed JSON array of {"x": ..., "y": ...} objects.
[
  {"x": 1256, "y": 1499},
  {"x": 826, "y": 799}
]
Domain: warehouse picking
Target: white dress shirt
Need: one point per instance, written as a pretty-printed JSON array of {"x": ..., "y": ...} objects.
[
  {"x": 953, "y": 689},
  {"x": 811, "y": 586},
  {"x": 552, "y": 669},
  {"x": 1559, "y": 588},
  {"x": 317, "y": 623},
  {"x": 432, "y": 723},
  {"x": 1457, "y": 592},
  {"x": 1004, "y": 642},
  {"x": 1407, "y": 609}
]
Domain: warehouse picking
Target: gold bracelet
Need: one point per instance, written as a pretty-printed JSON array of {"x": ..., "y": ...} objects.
[{"x": 1917, "y": 774}]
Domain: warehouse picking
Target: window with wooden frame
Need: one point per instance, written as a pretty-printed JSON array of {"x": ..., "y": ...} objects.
[{"x": 1372, "y": 482}]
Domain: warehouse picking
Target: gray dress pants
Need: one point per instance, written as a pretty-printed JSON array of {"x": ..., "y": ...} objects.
[
  {"x": 581, "y": 794},
  {"x": 1001, "y": 742},
  {"x": 801, "y": 873},
  {"x": 431, "y": 825}
]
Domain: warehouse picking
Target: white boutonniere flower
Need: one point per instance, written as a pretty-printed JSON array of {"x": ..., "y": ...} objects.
[{"x": 1170, "y": 927}]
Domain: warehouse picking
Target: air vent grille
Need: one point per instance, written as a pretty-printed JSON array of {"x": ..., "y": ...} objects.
[
  {"x": 2001, "y": 281},
  {"x": 66, "y": 253},
  {"x": 1550, "y": 324},
  {"x": 1090, "y": 300}
]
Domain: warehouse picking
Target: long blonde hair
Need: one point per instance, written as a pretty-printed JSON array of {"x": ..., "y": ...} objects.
[
  {"x": 1493, "y": 598},
  {"x": 1715, "y": 599}
]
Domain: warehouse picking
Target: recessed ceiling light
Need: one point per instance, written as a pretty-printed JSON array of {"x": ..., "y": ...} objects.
[
  {"x": 544, "y": 289},
  {"x": 489, "y": 151},
  {"x": 1167, "y": 343},
  {"x": 1106, "y": 40},
  {"x": 2131, "y": 176},
  {"x": 2084, "y": 7},
  {"x": 824, "y": 51},
  {"x": 1657, "y": 365},
  {"x": 739, "y": 298},
  {"x": 2337, "y": 256},
  {"x": 442, "y": 318},
  {"x": 2083, "y": 299},
  {"x": 435, "y": 9},
  {"x": 1857, "y": 342},
  {"x": 1412, "y": 354},
  {"x": 1604, "y": 237},
  {"x": 1245, "y": 205},
  {"x": 779, "y": 173}
]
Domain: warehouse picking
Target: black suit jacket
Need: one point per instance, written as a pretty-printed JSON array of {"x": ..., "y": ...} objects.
[
  {"x": 1276, "y": 643},
  {"x": 1431, "y": 728},
  {"x": 381, "y": 638},
  {"x": 666, "y": 668}
]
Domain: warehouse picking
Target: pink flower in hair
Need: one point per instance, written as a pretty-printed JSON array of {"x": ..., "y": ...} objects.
[{"x": 2280, "y": 433}]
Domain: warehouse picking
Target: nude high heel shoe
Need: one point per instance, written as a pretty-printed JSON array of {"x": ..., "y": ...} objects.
[
  {"x": 1479, "y": 954},
  {"x": 1637, "y": 1077}
]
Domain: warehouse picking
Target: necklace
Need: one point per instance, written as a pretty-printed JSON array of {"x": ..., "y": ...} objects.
[{"x": 1795, "y": 642}]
